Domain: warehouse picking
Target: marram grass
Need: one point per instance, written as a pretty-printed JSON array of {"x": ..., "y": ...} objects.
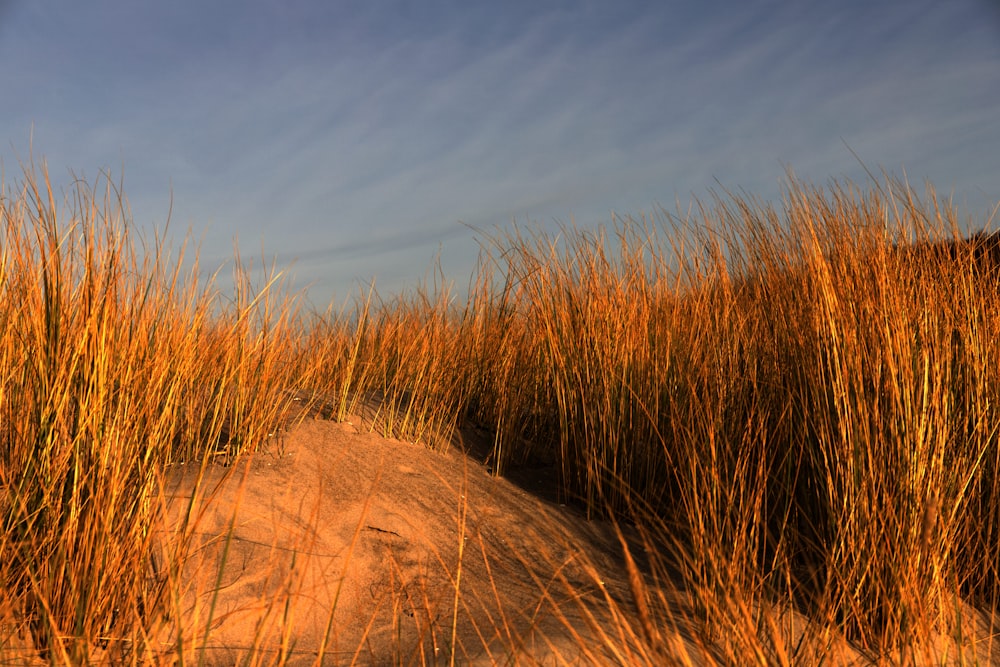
[
  {"x": 794, "y": 405},
  {"x": 113, "y": 363}
]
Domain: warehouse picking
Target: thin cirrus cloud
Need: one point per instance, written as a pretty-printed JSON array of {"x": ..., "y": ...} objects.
[{"x": 356, "y": 139}]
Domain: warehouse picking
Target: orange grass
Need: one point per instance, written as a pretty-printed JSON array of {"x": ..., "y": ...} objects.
[
  {"x": 796, "y": 408},
  {"x": 113, "y": 363}
]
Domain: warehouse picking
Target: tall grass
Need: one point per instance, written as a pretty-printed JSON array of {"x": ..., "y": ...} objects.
[
  {"x": 806, "y": 405},
  {"x": 798, "y": 401},
  {"x": 113, "y": 363},
  {"x": 794, "y": 405}
]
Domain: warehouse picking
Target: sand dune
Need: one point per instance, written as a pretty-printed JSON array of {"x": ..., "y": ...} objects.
[{"x": 344, "y": 543}]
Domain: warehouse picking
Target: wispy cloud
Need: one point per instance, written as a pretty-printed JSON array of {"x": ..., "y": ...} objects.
[{"x": 356, "y": 139}]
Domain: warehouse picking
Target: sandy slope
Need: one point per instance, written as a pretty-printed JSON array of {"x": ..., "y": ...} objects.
[{"x": 363, "y": 540}]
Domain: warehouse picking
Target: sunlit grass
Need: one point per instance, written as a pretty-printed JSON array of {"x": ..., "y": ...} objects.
[
  {"x": 794, "y": 407},
  {"x": 113, "y": 363}
]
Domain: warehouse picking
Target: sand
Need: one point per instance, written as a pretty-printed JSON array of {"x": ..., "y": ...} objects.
[{"x": 342, "y": 544}]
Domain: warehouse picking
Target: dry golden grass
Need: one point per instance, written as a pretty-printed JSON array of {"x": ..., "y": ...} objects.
[
  {"x": 113, "y": 363},
  {"x": 794, "y": 408}
]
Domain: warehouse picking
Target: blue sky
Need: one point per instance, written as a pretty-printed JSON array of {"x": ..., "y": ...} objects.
[{"x": 351, "y": 140}]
